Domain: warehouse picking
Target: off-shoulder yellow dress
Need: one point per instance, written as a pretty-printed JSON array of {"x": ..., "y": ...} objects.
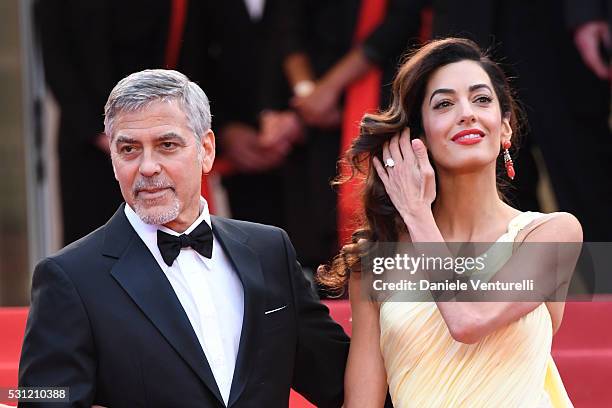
[{"x": 511, "y": 367}]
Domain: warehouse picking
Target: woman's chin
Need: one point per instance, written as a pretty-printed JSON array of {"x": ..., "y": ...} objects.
[{"x": 468, "y": 165}]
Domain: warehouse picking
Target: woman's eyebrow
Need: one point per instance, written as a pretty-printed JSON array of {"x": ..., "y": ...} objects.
[
  {"x": 441, "y": 90},
  {"x": 479, "y": 86},
  {"x": 472, "y": 88}
]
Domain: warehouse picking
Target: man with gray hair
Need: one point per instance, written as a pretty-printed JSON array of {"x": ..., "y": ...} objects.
[{"x": 166, "y": 305}]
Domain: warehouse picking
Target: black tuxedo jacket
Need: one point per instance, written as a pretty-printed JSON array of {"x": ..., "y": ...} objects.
[{"x": 106, "y": 322}]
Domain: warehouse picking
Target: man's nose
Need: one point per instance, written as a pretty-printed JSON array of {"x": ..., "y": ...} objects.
[{"x": 149, "y": 164}]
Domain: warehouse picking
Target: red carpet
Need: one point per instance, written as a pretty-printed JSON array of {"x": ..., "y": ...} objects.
[
  {"x": 582, "y": 350},
  {"x": 12, "y": 327}
]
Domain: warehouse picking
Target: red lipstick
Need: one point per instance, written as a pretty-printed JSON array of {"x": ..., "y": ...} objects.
[{"x": 468, "y": 136}]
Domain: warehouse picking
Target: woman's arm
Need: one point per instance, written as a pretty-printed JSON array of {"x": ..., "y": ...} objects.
[
  {"x": 411, "y": 187},
  {"x": 365, "y": 380},
  {"x": 468, "y": 322}
]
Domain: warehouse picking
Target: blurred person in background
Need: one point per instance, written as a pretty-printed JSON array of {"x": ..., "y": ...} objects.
[
  {"x": 591, "y": 21},
  {"x": 322, "y": 58},
  {"x": 229, "y": 50},
  {"x": 87, "y": 47}
]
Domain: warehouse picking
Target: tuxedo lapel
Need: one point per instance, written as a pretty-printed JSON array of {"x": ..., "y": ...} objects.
[
  {"x": 141, "y": 277},
  {"x": 247, "y": 265}
]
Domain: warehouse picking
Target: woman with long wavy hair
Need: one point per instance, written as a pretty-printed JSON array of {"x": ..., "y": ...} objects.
[{"x": 452, "y": 110}]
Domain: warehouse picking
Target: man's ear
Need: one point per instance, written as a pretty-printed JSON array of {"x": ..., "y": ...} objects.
[
  {"x": 115, "y": 172},
  {"x": 208, "y": 151}
]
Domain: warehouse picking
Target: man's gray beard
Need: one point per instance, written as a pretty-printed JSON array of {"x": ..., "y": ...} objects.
[
  {"x": 148, "y": 214},
  {"x": 157, "y": 217}
]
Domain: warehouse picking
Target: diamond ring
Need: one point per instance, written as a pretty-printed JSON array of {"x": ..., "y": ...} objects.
[{"x": 389, "y": 162}]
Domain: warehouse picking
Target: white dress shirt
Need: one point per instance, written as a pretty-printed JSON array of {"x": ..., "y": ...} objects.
[
  {"x": 210, "y": 292},
  {"x": 255, "y": 8}
]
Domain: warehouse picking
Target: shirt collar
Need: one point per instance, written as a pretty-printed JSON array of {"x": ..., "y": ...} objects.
[
  {"x": 148, "y": 232},
  {"x": 204, "y": 216}
]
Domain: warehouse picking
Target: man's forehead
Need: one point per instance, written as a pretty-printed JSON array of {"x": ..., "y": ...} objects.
[
  {"x": 160, "y": 109},
  {"x": 149, "y": 123}
]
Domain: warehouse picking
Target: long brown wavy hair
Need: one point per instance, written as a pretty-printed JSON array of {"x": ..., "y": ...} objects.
[{"x": 380, "y": 221}]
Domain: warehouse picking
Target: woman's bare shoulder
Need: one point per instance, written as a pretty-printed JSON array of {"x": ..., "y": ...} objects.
[{"x": 554, "y": 227}]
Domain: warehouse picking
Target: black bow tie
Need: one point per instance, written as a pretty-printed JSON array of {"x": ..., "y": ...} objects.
[{"x": 200, "y": 239}]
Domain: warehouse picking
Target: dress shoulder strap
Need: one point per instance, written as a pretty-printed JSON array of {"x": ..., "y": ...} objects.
[{"x": 518, "y": 223}]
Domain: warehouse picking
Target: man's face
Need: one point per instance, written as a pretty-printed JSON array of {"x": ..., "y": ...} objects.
[{"x": 159, "y": 164}]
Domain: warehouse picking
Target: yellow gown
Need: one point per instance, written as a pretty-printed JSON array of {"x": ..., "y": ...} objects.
[{"x": 511, "y": 367}]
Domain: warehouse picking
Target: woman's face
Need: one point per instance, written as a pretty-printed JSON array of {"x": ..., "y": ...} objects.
[{"x": 462, "y": 118}]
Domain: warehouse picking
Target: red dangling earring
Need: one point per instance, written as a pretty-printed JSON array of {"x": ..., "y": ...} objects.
[{"x": 508, "y": 160}]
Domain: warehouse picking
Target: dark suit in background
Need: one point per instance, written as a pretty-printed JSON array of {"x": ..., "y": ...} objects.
[
  {"x": 582, "y": 11},
  {"x": 238, "y": 61},
  {"x": 106, "y": 322},
  {"x": 324, "y": 31},
  {"x": 87, "y": 47},
  {"x": 232, "y": 57},
  {"x": 567, "y": 105}
]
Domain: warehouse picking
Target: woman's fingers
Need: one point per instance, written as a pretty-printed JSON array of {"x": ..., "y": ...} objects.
[
  {"x": 394, "y": 149},
  {"x": 404, "y": 143},
  {"x": 380, "y": 170},
  {"x": 406, "y": 148},
  {"x": 398, "y": 148},
  {"x": 411, "y": 180},
  {"x": 420, "y": 151},
  {"x": 428, "y": 177},
  {"x": 386, "y": 152}
]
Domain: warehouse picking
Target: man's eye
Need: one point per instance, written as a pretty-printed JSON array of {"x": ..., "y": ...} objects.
[
  {"x": 127, "y": 149},
  {"x": 168, "y": 145}
]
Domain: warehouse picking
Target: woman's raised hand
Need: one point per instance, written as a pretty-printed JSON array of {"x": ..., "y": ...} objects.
[{"x": 407, "y": 175}]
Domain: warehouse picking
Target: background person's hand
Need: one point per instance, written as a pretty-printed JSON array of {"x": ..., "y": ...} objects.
[
  {"x": 102, "y": 142},
  {"x": 588, "y": 39},
  {"x": 320, "y": 108},
  {"x": 280, "y": 129},
  {"x": 410, "y": 182},
  {"x": 242, "y": 147}
]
